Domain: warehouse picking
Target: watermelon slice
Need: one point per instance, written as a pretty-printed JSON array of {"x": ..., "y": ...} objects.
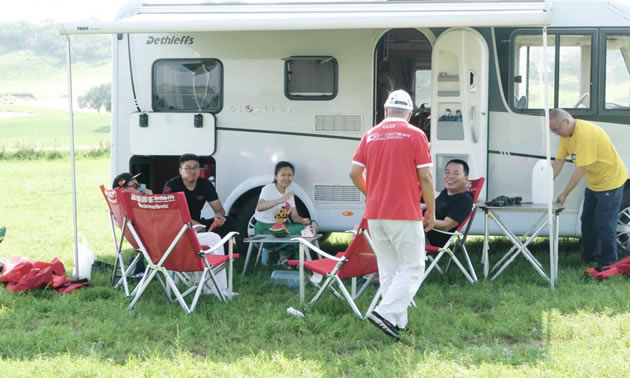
[{"x": 279, "y": 230}]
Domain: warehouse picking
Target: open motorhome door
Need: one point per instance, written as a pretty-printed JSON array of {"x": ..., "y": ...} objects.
[{"x": 459, "y": 112}]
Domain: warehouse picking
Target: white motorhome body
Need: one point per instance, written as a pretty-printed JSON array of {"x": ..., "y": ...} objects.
[{"x": 245, "y": 85}]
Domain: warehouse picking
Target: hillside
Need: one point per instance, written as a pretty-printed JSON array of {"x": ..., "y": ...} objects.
[{"x": 33, "y": 68}]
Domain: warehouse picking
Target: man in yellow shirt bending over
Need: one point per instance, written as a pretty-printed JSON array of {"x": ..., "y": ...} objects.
[{"x": 595, "y": 158}]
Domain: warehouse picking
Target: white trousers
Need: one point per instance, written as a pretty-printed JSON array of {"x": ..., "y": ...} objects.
[
  {"x": 400, "y": 255},
  {"x": 212, "y": 239}
]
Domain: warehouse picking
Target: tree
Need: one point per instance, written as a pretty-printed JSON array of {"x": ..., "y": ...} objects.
[{"x": 97, "y": 98}]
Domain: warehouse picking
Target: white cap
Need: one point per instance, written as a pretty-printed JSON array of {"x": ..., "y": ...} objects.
[{"x": 399, "y": 99}]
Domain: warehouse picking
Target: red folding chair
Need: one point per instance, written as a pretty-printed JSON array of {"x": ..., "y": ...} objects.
[
  {"x": 358, "y": 260},
  {"x": 162, "y": 227},
  {"x": 457, "y": 240},
  {"x": 118, "y": 220}
]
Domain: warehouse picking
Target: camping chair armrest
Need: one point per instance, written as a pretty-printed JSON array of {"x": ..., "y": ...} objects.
[
  {"x": 317, "y": 250},
  {"x": 446, "y": 232},
  {"x": 197, "y": 227},
  {"x": 220, "y": 244}
]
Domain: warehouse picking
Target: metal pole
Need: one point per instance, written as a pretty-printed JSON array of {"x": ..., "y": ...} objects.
[
  {"x": 72, "y": 165},
  {"x": 552, "y": 258}
]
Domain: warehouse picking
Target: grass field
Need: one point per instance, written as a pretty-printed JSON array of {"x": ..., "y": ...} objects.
[
  {"x": 48, "y": 128},
  {"x": 515, "y": 326}
]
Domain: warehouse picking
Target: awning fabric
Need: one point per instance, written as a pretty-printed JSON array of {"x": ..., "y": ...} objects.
[{"x": 320, "y": 15}]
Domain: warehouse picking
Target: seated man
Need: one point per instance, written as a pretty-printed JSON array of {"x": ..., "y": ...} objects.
[
  {"x": 198, "y": 191},
  {"x": 127, "y": 182},
  {"x": 453, "y": 204}
]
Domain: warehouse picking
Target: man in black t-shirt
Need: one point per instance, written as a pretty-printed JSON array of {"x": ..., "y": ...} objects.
[
  {"x": 198, "y": 191},
  {"x": 453, "y": 204}
]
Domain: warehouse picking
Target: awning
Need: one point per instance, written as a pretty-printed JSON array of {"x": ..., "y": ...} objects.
[{"x": 320, "y": 15}]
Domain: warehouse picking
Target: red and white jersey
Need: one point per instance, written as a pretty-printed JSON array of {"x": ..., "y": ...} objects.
[{"x": 391, "y": 153}]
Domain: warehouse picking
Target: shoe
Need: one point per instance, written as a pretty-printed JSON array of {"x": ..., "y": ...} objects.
[
  {"x": 285, "y": 263},
  {"x": 230, "y": 294},
  {"x": 137, "y": 276},
  {"x": 383, "y": 324},
  {"x": 364, "y": 279}
]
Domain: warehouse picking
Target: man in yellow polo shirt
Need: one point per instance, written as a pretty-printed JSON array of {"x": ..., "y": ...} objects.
[{"x": 595, "y": 158}]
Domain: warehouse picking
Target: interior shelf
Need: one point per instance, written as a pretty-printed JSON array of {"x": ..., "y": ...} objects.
[
  {"x": 448, "y": 93},
  {"x": 448, "y": 78}
]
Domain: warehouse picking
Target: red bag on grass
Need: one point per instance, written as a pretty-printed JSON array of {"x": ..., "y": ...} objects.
[
  {"x": 620, "y": 267},
  {"x": 23, "y": 274}
]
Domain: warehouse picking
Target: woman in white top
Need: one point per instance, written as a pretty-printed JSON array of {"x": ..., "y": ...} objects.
[{"x": 277, "y": 204}]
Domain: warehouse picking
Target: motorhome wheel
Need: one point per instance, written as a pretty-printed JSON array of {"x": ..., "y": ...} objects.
[{"x": 623, "y": 226}]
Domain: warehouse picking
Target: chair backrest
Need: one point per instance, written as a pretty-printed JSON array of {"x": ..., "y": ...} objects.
[
  {"x": 360, "y": 255},
  {"x": 157, "y": 220},
  {"x": 116, "y": 211},
  {"x": 474, "y": 188}
]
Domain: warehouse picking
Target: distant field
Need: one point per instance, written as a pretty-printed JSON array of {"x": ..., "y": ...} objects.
[
  {"x": 46, "y": 79},
  {"x": 26, "y": 127}
]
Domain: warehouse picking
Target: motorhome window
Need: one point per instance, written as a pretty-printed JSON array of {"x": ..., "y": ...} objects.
[
  {"x": 187, "y": 85},
  {"x": 528, "y": 80},
  {"x": 617, "y": 93},
  {"x": 569, "y": 81},
  {"x": 423, "y": 88},
  {"x": 574, "y": 72},
  {"x": 310, "y": 78}
]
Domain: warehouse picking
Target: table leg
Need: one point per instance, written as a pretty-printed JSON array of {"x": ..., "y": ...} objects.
[
  {"x": 249, "y": 252},
  {"x": 260, "y": 248},
  {"x": 484, "y": 254},
  {"x": 301, "y": 273},
  {"x": 522, "y": 248},
  {"x": 554, "y": 250},
  {"x": 513, "y": 249}
]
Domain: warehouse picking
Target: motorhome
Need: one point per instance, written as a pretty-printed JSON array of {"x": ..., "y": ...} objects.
[{"x": 247, "y": 84}]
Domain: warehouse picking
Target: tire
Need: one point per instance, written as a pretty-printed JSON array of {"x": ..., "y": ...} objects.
[
  {"x": 245, "y": 221},
  {"x": 623, "y": 225}
]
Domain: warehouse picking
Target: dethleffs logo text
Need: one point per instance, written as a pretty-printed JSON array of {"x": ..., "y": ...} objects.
[{"x": 170, "y": 40}]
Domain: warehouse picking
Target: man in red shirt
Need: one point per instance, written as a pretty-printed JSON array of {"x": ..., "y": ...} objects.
[{"x": 397, "y": 161}]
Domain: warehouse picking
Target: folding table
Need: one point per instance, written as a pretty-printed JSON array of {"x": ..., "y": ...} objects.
[
  {"x": 520, "y": 243},
  {"x": 260, "y": 240}
]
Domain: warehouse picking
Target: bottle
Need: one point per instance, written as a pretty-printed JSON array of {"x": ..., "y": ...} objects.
[
  {"x": 540, "y": 173},
  {"x": 294, "y": 312},
  {"x": 86, "y": 259},
  {"x": 290, "y": 278}
]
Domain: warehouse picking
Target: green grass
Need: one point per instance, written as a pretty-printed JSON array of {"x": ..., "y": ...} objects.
[
  {"x": 514, "y": 326},
  {"x": 49, "y": 128}
]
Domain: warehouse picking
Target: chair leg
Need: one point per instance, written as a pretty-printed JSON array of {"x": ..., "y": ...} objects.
[
  {"x": 348, "y": 297},
  {"x": 365, "y": 286},
  {"x": 146, "y": 280},
  {"x": 431, "y": 259},
  {"x": 373, "y": 303},
  {"x": 434, "y": 264},
  {"x": 126, "y": 273},
  {"x": 470, "y": 265},
  {"x": 214, "y": 282},
  {"x": 461, "y": 267},
  {"x": 171, "y": 284}
]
